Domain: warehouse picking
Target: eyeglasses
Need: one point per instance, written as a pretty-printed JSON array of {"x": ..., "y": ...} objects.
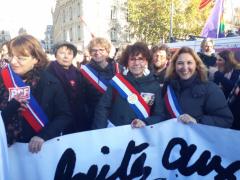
[
  {"x": 140, "y": 59},
  {"x": 96, "y": 50},
  {"x": 19, "y": 59}
]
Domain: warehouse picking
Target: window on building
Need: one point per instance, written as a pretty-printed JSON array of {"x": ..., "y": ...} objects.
[
  {"x": 78, "y": 9},
  {"x": 113, "y": 35},
  {"x": 64, "y": 16},
  {"x": 79, "y": 32},
  {"x": 114, "y": 13},
  {"x": 70, "y": 13},
  {"x": 71, "y": 34},
  {"x": 64, "y": 35}
]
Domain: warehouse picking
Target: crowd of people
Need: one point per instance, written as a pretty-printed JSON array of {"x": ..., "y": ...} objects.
[{"x": 41, "y": 99}]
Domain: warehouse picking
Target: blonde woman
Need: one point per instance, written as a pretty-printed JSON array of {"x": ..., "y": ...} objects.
[
  {"x": 97, "y": 73},
  {"x": 195, "y": 99}
]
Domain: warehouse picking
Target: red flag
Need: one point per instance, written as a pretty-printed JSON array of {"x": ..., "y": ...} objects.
[{"x": 204, "y": 3}]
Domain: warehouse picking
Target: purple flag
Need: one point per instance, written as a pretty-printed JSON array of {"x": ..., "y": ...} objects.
[{"x": 211, "y": 28}]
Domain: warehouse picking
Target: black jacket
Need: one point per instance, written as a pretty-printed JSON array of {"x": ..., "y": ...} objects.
[
  {"x": 208, "y": 60},
  {"x": 51, "y": 97},
  {"x": 116, "y": 109},
  {"x": 227, "y": 85},
  {"x": 92, "y": 95},
  {"x": 202, "y": 100},
  {"x": 72, "y": 82},
  {"x": 159, "y": 76}
]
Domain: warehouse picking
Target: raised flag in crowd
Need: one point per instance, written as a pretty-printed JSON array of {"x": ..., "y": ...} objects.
[{"x": 214, "y": 27}]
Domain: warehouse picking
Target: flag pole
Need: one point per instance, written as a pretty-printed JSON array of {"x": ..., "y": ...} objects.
[
  {"x": 171, "y": 21},
  {"x": 219, "y": 18}
]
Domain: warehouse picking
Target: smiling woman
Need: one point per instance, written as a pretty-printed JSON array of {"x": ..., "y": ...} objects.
[
  {"x": 134, "y": 97},
  {"x": 189, "y": 95}
]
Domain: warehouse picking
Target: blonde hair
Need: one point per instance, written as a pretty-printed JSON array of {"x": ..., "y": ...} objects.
[
  {"x": 200, "y": 67},
  {"x": 100, "y": 41}
]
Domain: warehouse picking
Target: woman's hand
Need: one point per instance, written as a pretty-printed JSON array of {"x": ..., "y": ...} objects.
[
  {"x": 186, "y": 118},
  {"x": 35, "y": 144},
  {"x": 237, "y": 91},
  {"x": 23, "y": 103},
  {"x": 137, "y": 123}
]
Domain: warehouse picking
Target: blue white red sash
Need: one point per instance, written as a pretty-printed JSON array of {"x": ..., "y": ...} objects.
[
  {"x": 128, "y": 92},
  {"x": 171, "y": 103},
  {"x": 91, "y": 75},
  {"x": 34, "y": 114}
]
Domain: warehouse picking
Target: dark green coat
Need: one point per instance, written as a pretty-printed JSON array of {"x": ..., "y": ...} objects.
[{"x": 116, "y": 109}]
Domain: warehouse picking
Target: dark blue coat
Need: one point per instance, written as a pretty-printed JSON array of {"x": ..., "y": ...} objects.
[
  {"x": 204, "y": 101},
  {"x": 51, "y": 97}
]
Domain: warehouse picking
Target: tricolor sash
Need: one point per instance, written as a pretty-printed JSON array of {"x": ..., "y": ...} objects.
[
  {"x": 34, "y": 114},
  {"x": 171, "y": 103},
  {"x": 91, "y": 75},
  {"x": 128, "y": 92}
]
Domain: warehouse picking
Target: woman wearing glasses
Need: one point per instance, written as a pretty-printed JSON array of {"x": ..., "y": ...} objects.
[
  {"x": 134, "y": 97},
  {"x": 33, "y": 104},
  {"x": 97, "y": 73}
]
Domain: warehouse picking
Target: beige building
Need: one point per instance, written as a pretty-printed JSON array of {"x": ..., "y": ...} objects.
[
  {"x": 48, "y": 40},
  {"x": 4, "y": 36},
  {"x": 77, "y": 21}
]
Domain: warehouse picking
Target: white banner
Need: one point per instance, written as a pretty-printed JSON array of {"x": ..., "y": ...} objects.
[
  {"x": 168, "y": 150},
  {"x": 4, "y": 165}
]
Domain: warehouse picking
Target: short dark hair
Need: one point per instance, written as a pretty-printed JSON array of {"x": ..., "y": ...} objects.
[
  {"x": 68, "y": 45},
  {"x": 162, "y": 47},
  {"x": 134, "y": 50}
]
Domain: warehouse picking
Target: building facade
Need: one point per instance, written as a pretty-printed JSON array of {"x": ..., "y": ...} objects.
[
  {"x": 77, "y": 21},
  {"x": 4, "y": 36},
  {"x": 48, "y": 41}
]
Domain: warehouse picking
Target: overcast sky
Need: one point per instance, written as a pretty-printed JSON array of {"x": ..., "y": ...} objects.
[{"x": 32, "y": 15}]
